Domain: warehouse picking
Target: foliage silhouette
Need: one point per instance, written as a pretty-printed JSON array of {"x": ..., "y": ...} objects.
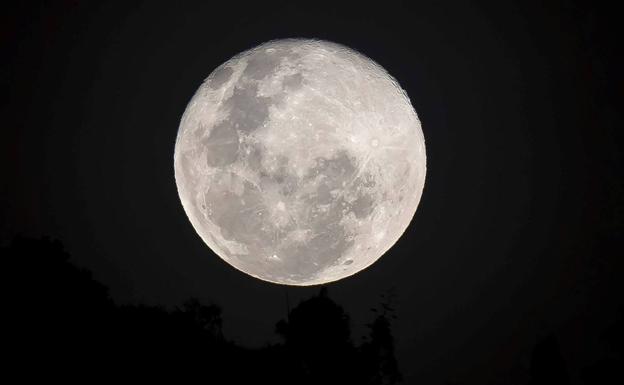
[
  {"x": 379, "y": 361},
  {"x": 62, "y": 324},
  {"x": 608, "y": 369},
  {"x": 547, "y": 364}
]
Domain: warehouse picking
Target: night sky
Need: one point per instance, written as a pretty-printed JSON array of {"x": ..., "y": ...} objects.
[{"x": 519, "y": 228}]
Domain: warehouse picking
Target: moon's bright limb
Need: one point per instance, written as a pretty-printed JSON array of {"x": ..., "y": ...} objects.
[{"x": 300, "y": 162}]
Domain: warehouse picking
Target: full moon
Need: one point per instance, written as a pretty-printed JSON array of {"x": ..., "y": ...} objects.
[{"x": 300, "y": 162}]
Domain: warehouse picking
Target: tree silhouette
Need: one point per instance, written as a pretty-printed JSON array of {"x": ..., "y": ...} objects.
[
  {"x": 317, "y": 338},
  {"x": 547, "y": 363},
  {"x": 378, "y": 351},
  {"x": 206, "y": 317},
  {"x": 608, "y": 369},
  {"x": 55, "y": 310},
  {"x": 62, "y": 323}
]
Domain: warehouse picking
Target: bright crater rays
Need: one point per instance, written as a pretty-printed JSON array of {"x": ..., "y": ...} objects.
[{"x": 300, "y": 162}]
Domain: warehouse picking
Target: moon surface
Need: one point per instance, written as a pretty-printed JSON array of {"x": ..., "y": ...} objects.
[{"x": 300, "y": 162}]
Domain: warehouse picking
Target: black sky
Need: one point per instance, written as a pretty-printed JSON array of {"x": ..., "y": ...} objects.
[{"x": 518, "y": 229}]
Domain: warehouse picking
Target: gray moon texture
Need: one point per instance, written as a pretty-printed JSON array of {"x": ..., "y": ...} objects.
[{"x": 300, "y": 162}]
